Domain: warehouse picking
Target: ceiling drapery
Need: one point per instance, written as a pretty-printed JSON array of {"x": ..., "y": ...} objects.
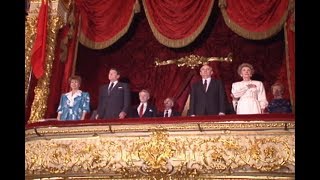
[
  {"x": 103, "y": 22},
  {"x": 176, "y": 24},
  {"x": 255, "y": 19}
]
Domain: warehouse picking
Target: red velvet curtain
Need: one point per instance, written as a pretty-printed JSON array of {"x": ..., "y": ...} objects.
[
  {"x": 38, "y": 52},
  {"x": 177, "y": 23},
  {"x": 290, "y": 56},
  {"x": 255, "y": 19},
  {"x": 103, "y": 22}
]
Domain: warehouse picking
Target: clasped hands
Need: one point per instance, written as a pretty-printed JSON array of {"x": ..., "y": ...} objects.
[{"x": 251, "y": 86}]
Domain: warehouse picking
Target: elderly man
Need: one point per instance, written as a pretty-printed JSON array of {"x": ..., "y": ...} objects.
[{"x": 168, "y": 109}]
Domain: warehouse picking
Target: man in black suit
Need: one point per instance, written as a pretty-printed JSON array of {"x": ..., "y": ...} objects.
[
  {"x": 207, "y": 96},
  {"x": 144, "y": 109},
  {"x": 114, "y": 98},
  {"x": 168, "y": 109}
]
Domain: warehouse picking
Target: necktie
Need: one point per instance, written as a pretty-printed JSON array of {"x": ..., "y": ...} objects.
[
  {"x": 110, "y": 88},
  {"x": 166, "y": 114},
  {"x": 141, "y": 110},
  {"x": 205, "y": 85}
]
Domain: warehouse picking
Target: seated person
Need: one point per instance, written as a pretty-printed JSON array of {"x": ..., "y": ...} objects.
[
  {"x": 144, "y": 109},
  {"x": 168, "y": 109},
  {"x": 279, "y": 104}
]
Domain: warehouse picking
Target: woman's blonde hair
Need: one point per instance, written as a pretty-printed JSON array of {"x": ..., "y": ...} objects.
[
  {"x": 278, "y": 84},
  {"x": 245, "y": 65}
]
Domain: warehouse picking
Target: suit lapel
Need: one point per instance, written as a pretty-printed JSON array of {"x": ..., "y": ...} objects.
[
  {"x": 211, "y": 85},
  {"x": 114, "y": 87}
]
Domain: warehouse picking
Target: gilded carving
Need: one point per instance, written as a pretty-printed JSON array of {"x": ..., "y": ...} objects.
[
  {"x": 30, "y": 31},
  {"x": 156, "y": 153},
  {"x": 39, "y": 104},
  {"x": 163, "y": 154},
  {"x": 192, "y": 60},
  {"x": 269, "y": 154}
]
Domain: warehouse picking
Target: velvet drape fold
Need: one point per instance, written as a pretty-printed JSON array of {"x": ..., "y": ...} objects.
[
  {"x": 103, "y": 22},
  {"x": 255, "y": 19},
  {"x": 290, "y": 56},
  {"x": 177, "y": 23}
]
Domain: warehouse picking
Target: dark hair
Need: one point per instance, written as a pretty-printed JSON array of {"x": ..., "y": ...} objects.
[
  {"x": 75, "y": 77},
  {"x": 115, "y": 69}
]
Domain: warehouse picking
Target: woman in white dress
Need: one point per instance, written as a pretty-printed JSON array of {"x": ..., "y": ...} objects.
[{"x": 251, "y": 93}]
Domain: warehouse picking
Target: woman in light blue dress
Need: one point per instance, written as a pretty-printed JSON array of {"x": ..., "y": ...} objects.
[{"x": 74, "y": 105}]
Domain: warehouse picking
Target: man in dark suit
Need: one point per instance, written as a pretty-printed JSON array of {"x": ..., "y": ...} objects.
[
  {"x": 144, "y": 109},
  {"x": 168, "y": 109},
  {"x": 114, "y": 98},
  {"x": 207, "y": 96}
]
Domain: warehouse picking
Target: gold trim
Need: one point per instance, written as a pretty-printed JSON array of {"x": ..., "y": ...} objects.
[
  {"x": 192, "y": 60},
  {"x": 39, "y": 104},
  {"x": 51, "y": 131},
  {"x": 30, "y": 32}
]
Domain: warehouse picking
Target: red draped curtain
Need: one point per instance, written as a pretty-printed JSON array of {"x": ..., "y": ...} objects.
[
  {"x": 103, "y": 22},
  {"x": 290, "y": 55},
  {"x": 255, "y": 19},
  {"x": 177, "y": 23}
]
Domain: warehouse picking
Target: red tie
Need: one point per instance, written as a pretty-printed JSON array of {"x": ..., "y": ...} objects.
[{"x": 141, "y": 110}]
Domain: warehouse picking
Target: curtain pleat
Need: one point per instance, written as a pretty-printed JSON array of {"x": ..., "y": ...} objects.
[
  {"x": 103, "y": 22},
  {"x": 177, "y": 23},
  {"x": 255, "y": 19}
]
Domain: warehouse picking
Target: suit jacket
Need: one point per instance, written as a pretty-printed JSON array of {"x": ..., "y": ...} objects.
[
  {"x": 110, "y": 105},
  {"x": 207, "y": 103},
  {"x": 151, "y": 111},
  {"x": 173, "y": 113}
]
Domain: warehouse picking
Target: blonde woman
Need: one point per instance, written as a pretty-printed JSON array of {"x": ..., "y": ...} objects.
[
  {"x": 251, "y": 93},
  {"x": 279, "y": 104}
]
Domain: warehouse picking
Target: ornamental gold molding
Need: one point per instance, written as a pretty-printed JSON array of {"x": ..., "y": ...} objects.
[
  {"x": 194, "y": 127},
  {"x": 163, "y": 154},
  {"x": 30, "y": 31},
  {"x": 39, "y": 104},
  {"x": 192, "y": 60}
]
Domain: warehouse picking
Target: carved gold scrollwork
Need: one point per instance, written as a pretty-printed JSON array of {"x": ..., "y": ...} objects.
[
  {"x": 163, "y": 154},
  {"x": 192, "y": 60},
  {"x": 155, "y": 154},
  {"x": 269, "y": 154}
]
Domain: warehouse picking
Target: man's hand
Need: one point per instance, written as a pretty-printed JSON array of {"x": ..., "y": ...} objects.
[{"x": 122, "y": 115}]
